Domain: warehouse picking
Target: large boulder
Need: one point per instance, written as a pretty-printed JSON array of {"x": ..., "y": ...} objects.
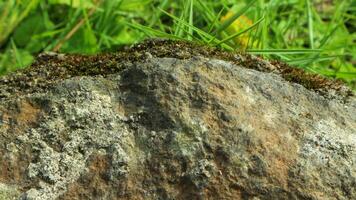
[{"x": 171, "y": 120}]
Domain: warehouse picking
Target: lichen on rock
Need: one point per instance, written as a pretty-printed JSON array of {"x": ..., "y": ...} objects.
[{"x": 172, "y": 125}]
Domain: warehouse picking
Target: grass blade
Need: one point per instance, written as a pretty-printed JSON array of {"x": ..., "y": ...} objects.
[
  {"x": 190, "y": 30},
  {"x": 311, "y": 60},
  {"x": 152, "y": 32},
  {"x": 283, "y": 51},
  {"x": 16, "y": 54},
  {"x": 241, "y": 32},
  {"x": 229, "y": 21},
  {"x": 213, "y": 23},
  {"x": 204, "y": 34},
  {"x": 310, "y": 25}
]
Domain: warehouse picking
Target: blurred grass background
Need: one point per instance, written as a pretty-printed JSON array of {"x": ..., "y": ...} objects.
[{"x": 316, "y": 35}]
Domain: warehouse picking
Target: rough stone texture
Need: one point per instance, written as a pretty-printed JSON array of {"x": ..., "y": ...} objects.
[{"x": 168, "y": 128}]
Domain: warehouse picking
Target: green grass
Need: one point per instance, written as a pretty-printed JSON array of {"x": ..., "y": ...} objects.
[{"x": 309, "y": 34}]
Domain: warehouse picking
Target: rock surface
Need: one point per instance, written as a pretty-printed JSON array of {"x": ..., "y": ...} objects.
[{"x": 173, "y": 128}]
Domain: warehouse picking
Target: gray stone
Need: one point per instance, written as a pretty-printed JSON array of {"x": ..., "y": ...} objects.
[{"x": 168, "y": 128}]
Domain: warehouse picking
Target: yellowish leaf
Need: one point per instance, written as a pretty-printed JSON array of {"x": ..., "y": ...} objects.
[{"x": 240, "y": 24}]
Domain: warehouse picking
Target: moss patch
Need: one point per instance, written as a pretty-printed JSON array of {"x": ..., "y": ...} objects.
[{"x": 50, "y": 68}]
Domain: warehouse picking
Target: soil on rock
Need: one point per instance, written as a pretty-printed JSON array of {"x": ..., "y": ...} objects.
[
  {"x": 174, "y": 120},
  {"x": 52, "y": 67}
]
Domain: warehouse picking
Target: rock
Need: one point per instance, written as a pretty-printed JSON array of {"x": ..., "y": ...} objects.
[
  {"x": 8, "y": 191},
  {"x": 159, "y": 126}
]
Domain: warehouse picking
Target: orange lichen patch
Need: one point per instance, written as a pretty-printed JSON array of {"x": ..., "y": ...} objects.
[
  {"x": 92, "y": 184},
  {"x": 274, "y": 148},
  {"x": 4, "y": 120},
  {"x": 13, "y": 167},
  {"x": 96, "y": 183},
  {"x": 211, "y": 121},
  {"x": 99, "y": 164},
  {"x": 220, "y": 92},
  {"x": 121, "y": 110},
  {"x": 278, "y": 169},
  {"x": 217, "y": 91},
  {"x": 18, "y": 120},
  {"x": 218, "y": 186},
  {"x": 13, "y": 160},
  {"x": 28, "y": 114},
  {"x": 7, "y": 170},
  {"x": 11, "y": 171},
  {"x": 273, "y": 144}
]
